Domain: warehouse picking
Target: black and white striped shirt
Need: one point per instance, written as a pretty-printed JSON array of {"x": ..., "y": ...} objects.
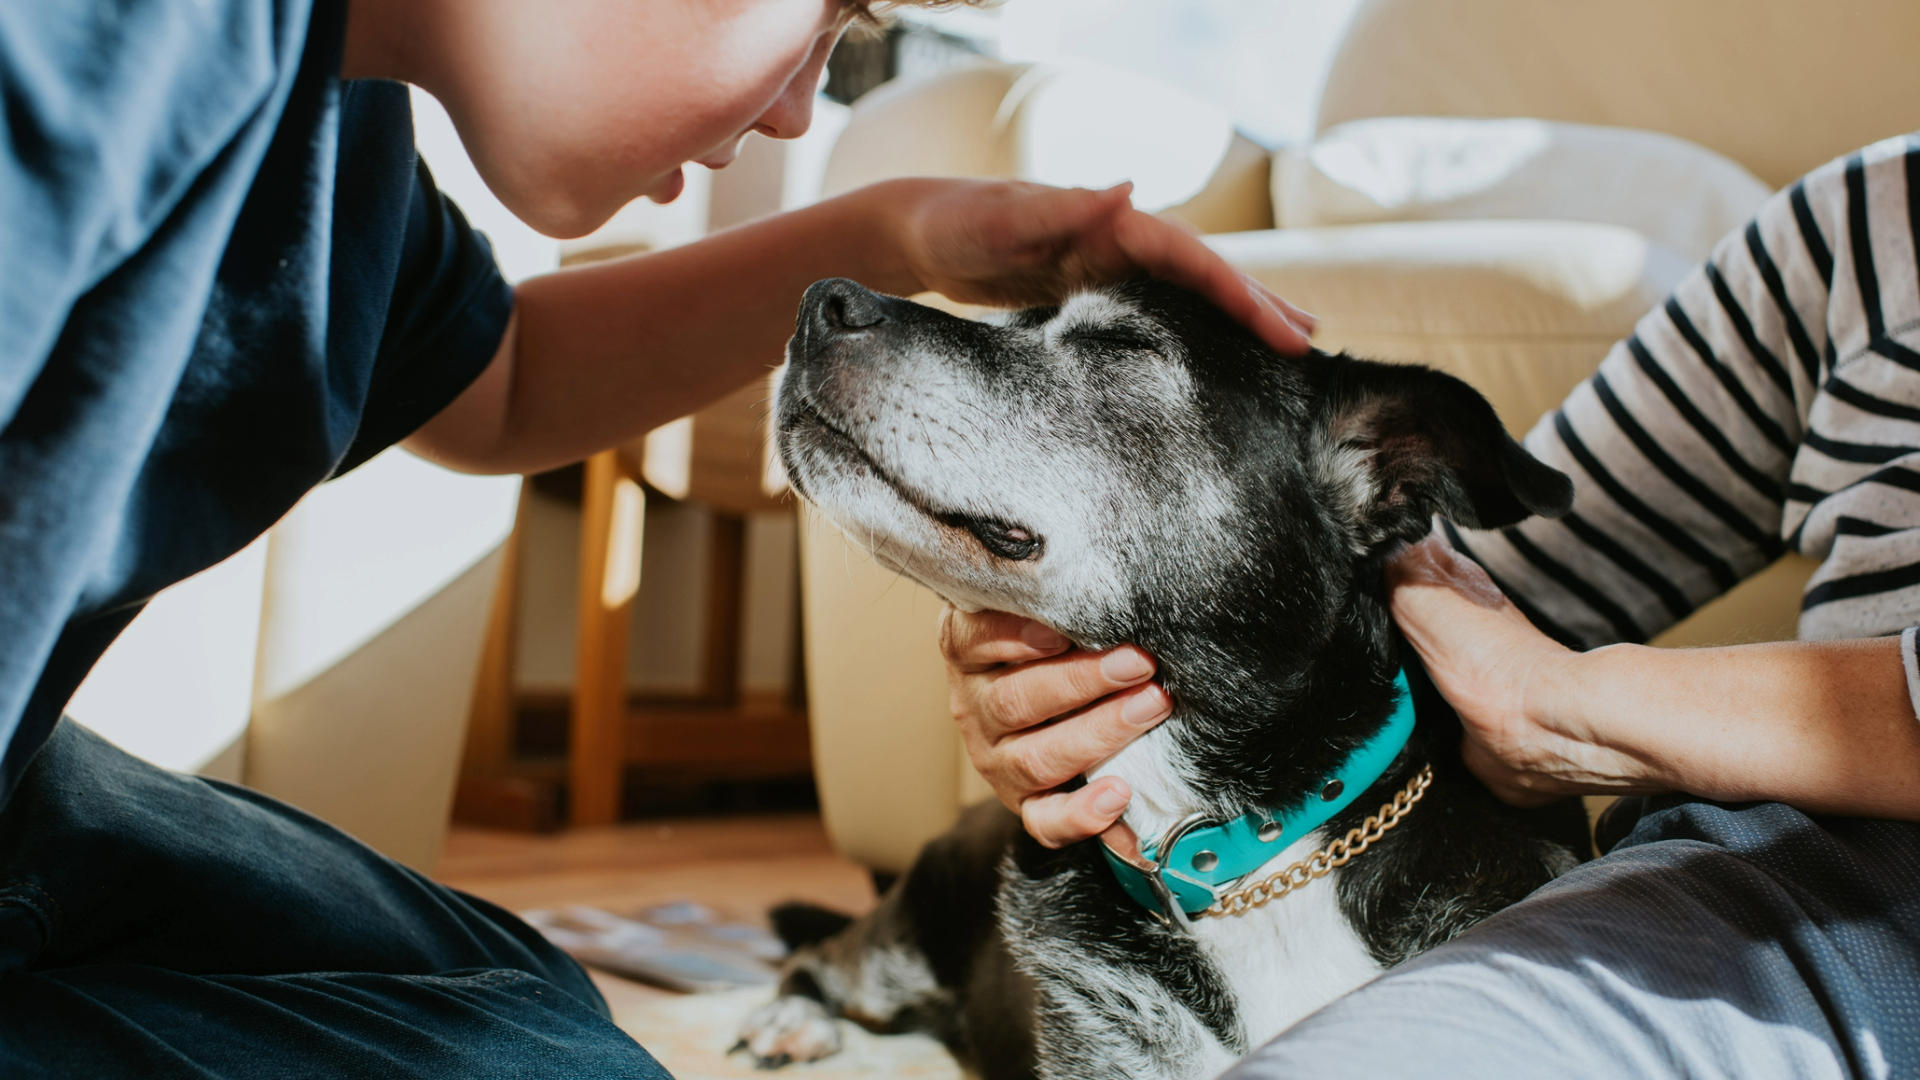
[{"x": 1771, "y": 404}]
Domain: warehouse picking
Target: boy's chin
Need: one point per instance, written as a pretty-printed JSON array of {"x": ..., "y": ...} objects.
[{"x": 668, "y": 187}]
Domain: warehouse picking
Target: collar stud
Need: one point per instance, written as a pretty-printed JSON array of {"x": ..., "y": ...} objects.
[
  {"x": 1269, "y": 832},
  {"x": 1205, "y": 861},
  {"x": 1332, "y": 790}
]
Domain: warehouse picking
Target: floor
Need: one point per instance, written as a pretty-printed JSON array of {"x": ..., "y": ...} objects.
[{"x": 738, "y": 866}]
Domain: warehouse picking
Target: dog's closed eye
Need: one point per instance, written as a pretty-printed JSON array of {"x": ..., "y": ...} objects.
[{"x": 1010, "y": 542}]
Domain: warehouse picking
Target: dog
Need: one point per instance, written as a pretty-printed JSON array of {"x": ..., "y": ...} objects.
[{"x": 1133, "y": 466}]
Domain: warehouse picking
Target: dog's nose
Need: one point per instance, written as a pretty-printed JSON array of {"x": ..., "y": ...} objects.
[{"x": 837, "y": 306}]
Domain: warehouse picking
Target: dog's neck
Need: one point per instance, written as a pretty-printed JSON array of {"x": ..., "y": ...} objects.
[{"x": 1256, "y": 728}]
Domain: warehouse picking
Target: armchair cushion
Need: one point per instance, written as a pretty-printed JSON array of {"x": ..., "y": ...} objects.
[
  {"x": 1523, "y": 310},
  {"x": 1065, "y": 125},
  {"x": 1677, "y": 193}
]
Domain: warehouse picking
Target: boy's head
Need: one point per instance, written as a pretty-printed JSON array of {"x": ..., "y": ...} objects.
[{"x": 571, "y": 109}]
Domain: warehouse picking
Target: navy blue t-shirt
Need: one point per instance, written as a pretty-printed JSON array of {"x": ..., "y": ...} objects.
[{"x": 225, "y": 277}]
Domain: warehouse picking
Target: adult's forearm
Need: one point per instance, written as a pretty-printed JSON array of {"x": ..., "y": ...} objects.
[
  {"x": 1826, "y": 726},
  {"x": 601, "y": 354}
]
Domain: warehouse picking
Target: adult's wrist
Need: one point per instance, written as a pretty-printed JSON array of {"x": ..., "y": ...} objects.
[{"x": 1590, "y": 702}]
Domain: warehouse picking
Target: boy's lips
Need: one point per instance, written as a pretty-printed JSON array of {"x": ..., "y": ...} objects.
[{"x": 669, "y": 187}]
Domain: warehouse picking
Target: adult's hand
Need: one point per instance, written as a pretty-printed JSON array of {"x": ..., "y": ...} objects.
[
  {"x": 1007, "y": 243},
  {"x": 1506, "y": 680},
  {"x": 1827, "y": 726},
  {"x": 1036, "y": 713}
]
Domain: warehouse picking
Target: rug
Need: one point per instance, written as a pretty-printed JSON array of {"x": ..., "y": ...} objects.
[{"x": 691, "y": 1034}]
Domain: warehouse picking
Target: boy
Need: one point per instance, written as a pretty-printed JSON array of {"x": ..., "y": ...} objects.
[{"x": 227, "y": 280}]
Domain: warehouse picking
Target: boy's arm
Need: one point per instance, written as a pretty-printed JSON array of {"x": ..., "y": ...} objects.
[{"x": 599, "y": 355}]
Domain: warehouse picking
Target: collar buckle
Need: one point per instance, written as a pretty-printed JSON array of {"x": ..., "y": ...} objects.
[{"x": 1124, "y": 844}]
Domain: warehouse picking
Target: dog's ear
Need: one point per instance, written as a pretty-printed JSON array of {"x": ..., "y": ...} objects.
[{"x": 1429, "y": 443}]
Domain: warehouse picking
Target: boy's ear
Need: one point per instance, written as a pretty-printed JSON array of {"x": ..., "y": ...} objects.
[{"x": 1432, "y": 445}]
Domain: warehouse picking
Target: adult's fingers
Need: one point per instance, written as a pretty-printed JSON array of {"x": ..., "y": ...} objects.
[
  {"x": 996, "y": 704},
  {"x": 1512, "y": 786},
  {"x": 1059, "y": 818},
  {"x": 974, "y": 641},
  {"x": 1046, "y": 757},
  {"x": 1168, "y": 252},
  {"x": 1434, "y": 562}
]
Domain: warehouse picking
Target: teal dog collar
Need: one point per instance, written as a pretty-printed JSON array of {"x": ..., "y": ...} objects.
[{"x": 1198, "y": 858}]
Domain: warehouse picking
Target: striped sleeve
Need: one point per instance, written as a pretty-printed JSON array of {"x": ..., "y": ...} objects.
[{"x": 1683, "y": 445}]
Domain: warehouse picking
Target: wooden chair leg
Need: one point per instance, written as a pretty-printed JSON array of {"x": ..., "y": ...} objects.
[
  {"x": 488, "y": 792},
  {"x": 489, "y": 746},
  {"x": 612, "y": 515}
]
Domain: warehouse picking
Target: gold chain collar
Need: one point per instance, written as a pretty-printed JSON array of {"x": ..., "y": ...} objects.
[{"x": 1321, "y": 863}]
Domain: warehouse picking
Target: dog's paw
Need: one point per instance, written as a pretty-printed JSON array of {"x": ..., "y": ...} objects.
[{"x": 789, "y": 1029}]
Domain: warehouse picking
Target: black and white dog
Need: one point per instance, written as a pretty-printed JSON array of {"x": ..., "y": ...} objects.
[{"x": 1132, "y": 466}]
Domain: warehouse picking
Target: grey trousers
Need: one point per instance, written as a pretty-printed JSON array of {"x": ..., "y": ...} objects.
[{"x": 1713, "y": 941}]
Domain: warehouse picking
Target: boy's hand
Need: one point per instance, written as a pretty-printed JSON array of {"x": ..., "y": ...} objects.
[
  {"x": 1007, "y": 243},
  {"x": 1036, "y": 713}
]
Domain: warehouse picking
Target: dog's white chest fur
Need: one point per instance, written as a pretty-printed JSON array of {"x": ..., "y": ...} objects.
[
  {"x": 1289, "y": 958},
  {"x": 1282, "y": 961}
]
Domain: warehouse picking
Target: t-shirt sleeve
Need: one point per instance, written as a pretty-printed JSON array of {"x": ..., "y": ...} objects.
[
  {"x": 110, "y": 116},
  {"x": 449, "y": 311}
]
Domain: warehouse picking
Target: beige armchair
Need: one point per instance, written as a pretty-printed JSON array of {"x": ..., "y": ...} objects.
[{"x": 1523, "y": 307}]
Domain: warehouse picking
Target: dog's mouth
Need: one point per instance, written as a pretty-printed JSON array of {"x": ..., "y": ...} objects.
[{"x": 1003, "y": 539}]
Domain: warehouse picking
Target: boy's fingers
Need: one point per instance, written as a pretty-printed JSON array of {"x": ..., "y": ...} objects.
[
  {"x": 1060, "y": 818},
  {"x": 1166, "y": 252},
  {"x": 1059, "y": 212},
  {"x": 1049, "y": 756},
  {"x": 1278, "y": 331},
  {"x": 1027, "y": 243},
  {"x": 1033, "y": 693},
  {"x": 1306, "y": 320}
]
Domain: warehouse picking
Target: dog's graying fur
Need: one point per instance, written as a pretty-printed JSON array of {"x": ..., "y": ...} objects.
[{"x": 1132, "y": 466}]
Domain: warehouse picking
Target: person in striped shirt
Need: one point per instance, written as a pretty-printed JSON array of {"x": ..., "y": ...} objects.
[{"x": 1758, "y": 913}]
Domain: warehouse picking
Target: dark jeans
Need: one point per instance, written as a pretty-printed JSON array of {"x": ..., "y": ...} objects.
[{"x": 158, "y": 925}]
